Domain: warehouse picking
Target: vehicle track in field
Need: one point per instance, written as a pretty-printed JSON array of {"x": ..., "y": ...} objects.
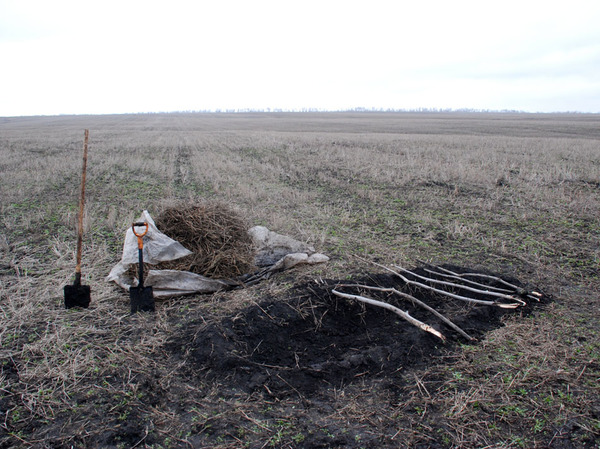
[
  {"x": 183, "y": 155},
  {"x": 182, "y": 160}
]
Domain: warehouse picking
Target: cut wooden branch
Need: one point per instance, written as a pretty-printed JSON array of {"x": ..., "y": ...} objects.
[
  {"x": 464, "y": 287},
  {"x": 467, "y": 281},
  {"x": 402, "y": 314},
  {"x": 250, "y": 279},
  {"x": 518, "y": 290},
  {"x": 415, "y": 301},
  {"x": 451, "y": 295}
]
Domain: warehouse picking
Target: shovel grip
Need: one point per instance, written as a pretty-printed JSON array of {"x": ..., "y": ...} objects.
[{"x": 139, "y": 236}]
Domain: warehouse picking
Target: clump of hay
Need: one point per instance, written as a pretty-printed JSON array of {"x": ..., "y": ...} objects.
[{"x": 215, "y": 234}]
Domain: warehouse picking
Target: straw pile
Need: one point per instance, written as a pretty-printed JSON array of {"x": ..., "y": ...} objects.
[{"x": 215, "y": 234}]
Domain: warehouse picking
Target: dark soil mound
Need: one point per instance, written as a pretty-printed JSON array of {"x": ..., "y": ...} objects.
[{"x": 315, "y": 340}]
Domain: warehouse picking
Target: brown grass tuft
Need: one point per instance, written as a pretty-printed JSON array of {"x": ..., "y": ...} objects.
[{"x": 215, "y": 234}]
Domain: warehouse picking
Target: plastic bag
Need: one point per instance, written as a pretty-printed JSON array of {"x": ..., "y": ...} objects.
[{"x": 157, "y": 248}]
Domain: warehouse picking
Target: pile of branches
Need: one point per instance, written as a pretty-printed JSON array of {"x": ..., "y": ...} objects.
[
  {"x": 216, "y": 235},
  {"x": 472, "y": 288}
]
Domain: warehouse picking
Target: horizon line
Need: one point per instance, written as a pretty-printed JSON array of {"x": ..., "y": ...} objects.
[{"x": 309, "y": 110}]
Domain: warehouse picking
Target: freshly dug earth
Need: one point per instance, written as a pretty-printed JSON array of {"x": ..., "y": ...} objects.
[
  {"x": 217, "y": 236},
  {"x": 315, "y": 340}
]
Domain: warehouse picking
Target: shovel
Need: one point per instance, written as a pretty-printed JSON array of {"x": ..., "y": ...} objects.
[
  {"x": 141, "y": 297},
  {"x": 78, "y": 295}
]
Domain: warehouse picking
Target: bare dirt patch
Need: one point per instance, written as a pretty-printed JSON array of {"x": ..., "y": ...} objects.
[{"x": 313, "y": 340}]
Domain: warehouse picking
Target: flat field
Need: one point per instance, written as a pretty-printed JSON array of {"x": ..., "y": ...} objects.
[{"x": 284, "y": 363}]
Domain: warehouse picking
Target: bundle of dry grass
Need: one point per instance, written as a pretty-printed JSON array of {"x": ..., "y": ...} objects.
[{"x": 215, "y": 234}]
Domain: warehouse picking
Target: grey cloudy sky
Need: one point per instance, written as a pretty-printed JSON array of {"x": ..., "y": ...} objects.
[{"x": 107, "y": 56}]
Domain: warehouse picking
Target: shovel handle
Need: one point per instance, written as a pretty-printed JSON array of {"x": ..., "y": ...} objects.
[
  {"x": 81, "y": 203},
  {"x": 139, "y": 236}
]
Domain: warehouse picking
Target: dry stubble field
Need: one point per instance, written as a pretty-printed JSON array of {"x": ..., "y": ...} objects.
[{"x": 283, "y": 363}]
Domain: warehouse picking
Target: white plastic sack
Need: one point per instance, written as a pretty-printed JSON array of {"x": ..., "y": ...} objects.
[
  {"x": 272, "y": 247},
  {"x": 157, "y": 248},
  {"x": 170, "y": 283},
  {"x": 276, "y": 252}
]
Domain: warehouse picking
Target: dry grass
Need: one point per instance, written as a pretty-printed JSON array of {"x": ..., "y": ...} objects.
[
  {"x": 518, "y": 194},
  {"x": 217, "y": 236},
  {"x": 525, "y": 376}
]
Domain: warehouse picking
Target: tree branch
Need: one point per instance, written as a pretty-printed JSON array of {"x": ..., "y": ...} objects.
[
  {"x": 464, "y": 287},
  {"x": 402, "y": 314},
  {"x": 451, "y": 295},
  {"x": 415, "y": 301}
]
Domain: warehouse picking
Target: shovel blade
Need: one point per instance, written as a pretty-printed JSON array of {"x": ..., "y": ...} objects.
[
  {"x": 142, "y": 299},
  {"x": 77, "y": 295}
]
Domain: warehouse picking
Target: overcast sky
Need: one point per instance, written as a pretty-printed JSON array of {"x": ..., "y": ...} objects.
[{"x": 105, "y": 56}]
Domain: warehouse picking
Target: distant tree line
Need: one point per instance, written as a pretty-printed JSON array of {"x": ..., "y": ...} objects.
[{"x": 356, "y": 109}]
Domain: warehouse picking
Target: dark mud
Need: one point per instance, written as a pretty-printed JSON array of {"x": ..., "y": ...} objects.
[{"x": 315, "y": 340}]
